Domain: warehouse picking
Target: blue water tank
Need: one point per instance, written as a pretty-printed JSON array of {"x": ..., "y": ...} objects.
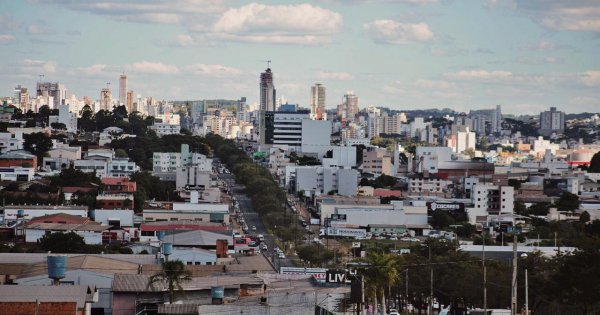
[
  {"x": 217, "y": 292},
  {"x": 20, "y": 214},
  {"x": 57, "y": 266},
  {"x": 160, "y": 235},
  {"x": 167, "y": 248}
]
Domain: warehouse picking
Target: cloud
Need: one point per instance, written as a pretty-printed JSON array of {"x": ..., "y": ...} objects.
[
  {"x": 480, "y": 75},
  {"x": 7, "y": 38},
  {"x": 541, "y": 46},
  {"x": 37, "y": 67},
  {"x": 92, "y": 70},
  {"x": 151, "y": 68},
  {"x": 143, "y": 11},
  {"x": 34, "y": 30},
  {"x": 560, "y": 15},
  {"x": 213, "y": 70},
  {"x": 411, "y": 2},
  {"x": 279, "y": 24},
  {"x": 591, "y": 78},
  {"x": 393, "y": 32},
  {"x": 435, "y": 84},
  {"x": 184, "y": 39},
  {"x": 342, "y": 76}
]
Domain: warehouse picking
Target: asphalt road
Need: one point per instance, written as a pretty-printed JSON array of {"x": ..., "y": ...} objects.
[{"x": 252, "y": 219}]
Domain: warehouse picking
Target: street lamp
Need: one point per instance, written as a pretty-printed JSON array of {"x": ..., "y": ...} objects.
[{"x": 524, "y": 256}]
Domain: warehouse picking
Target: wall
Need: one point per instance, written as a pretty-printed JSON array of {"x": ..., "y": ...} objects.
[{"x": 45, "y": 308}]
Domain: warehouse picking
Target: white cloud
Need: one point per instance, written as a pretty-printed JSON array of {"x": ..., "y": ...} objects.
[
  {"x": 541, "y": 46},
  {"x": 393, "y": 32},
  {"x": 144, "y": 11},
  {"x": 36, "y": 67},
  {"x": 184, "y": 39},
  {"x": 591, "y": 78},
  {"x": 572, "y": 15},
  {"x": 539, "y": 61},
  {"x": 280, "y": 24},
  {"x": 152, "y": 68},
  {"x": 480, "y": 75},
  {"x": 342, "y": 76},
  {"x": 213, "y": 70},
  {"x": 93, "y": 69},
  {"x": 7, "y": 38},
  {"x": 435, "y": 84}
]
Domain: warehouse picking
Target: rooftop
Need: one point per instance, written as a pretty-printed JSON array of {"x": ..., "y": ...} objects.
[
  {"x": 139, "y": 283},
  {"x": 32, "y": 293},
  {"x": 91, "y": 226}
]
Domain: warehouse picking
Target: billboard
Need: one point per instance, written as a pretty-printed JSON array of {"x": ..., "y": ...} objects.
[{"x": 446, "y": 206}]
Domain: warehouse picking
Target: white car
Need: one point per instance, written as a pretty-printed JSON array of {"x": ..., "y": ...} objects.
[
  {"x": 264, "y": 247},
  {"x": 253, "y": 228},
  {"x": 393, "y": 312},
  {"x": 281, "y": 255}
]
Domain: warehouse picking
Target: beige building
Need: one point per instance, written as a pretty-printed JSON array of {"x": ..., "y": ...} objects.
[{"x": 377, "y": 162}]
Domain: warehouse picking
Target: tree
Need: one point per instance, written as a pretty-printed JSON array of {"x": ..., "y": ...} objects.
[
  {"x": 595, "y": 164},
  {"x": 58, "y": 126},
  {"x": 441, "y": 219},
  {"x": 515, "y": 183},
  {"x": 381, "y": 275},
  {"x": 171, "y": 277},
  {"x": 567, "y": 202},
  {"x": 584, "y": 217},
  {"x": 64, "y": 243},
  {"x": 38, "y": 143}
]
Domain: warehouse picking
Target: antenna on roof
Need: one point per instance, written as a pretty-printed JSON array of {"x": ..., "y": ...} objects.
[{"x": 268, "y": 63}]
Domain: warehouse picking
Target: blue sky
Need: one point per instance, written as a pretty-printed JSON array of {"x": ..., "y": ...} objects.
[{"x": 526, "y": 55}]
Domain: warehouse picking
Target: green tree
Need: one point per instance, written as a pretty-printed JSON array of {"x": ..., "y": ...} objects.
[
  {"x": 595, "y": 164},
  {"x": 38, "y": 143},
  {"x": 385, "y": 181},
  {"x": 584, "y": 217},
  {"x": 567, "y": 202},
  {"x": 381, "y": 275},
  {"x": 441, "y": 219},
  {"x": 86, "y": 122},
  {"x": 171, "y": 277},
  {"x": 515, "y": 183},
  {"x": 58, "y": 126},
  {"x": 63, "y": 243}
]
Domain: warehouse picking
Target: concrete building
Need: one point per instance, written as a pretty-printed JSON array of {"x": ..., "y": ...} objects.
[
  {"x": 65, "y": 117},
  {"x": 170, "y": 161},
  {"x": 429, "y": 158},
  {"x": 22, "y": 98},
  {"x": 377, "y": 162},
  {"x": 192, "y": 177},
  {"x": 105, "y": 99},
  {"x": 318, "y": 180},
  {"x": 488, "y": 200},
  {"x": 34, "y": 211},
  {"x": 10, "y": 142},
  {"x": 552, "y": 121},
  {"x": 123, "y": 89},
  {"x": 317, "y": 102},
  {"x": 55, "y": 90}
]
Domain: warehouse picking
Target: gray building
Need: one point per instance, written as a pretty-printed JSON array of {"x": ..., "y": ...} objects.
[{"x": 552, "y": 121}]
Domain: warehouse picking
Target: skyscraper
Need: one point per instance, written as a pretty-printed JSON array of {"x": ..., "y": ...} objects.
[
  {"x": 123, "y": 89},
  {"x": 105, "y": 99},
  {"x": 267, "y": 91},
  {"x": 52, "y": 89},
  {"x": 552, "y": 121},
  {"x": 317, "y": 102},
  {"x": 496, "y": 125},
  {"x": 349, "y": 107},
  {"x": 129, "y": 102},
  {"x": 267, "y": 100}
]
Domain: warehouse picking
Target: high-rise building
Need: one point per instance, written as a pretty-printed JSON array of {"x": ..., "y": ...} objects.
[
  {"x": 317, "y": 102},
  {"x": 129, "y": 102},
  {"x": 496, "y": 120},
  {"x": 552, "y": 121},
  {"x": 349, "y": 107},
  {"x": 123, "y": 89},
  {"x": 267, "y": 100},
  {"x": 22, "y": 97},
  {"x": 52, "y": 89},
  {"x": 105, "y": 99},
  {"x": 267, "y": 91}
]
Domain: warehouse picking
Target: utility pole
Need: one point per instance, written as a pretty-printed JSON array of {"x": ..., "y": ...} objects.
[
  {"x": 484, "y": 275},
  {"x": 430, "y": 304},
  {"x": 514, "y": 276}
]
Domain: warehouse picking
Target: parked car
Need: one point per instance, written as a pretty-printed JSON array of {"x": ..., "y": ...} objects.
[
  {"x": 281, "y": 255},
  {"x": 253, "y": 228},
  {"x": 393, "y": 312}
]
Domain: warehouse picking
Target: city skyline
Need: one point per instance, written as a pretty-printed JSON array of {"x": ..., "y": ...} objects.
[{"x": 527, "y": 56}]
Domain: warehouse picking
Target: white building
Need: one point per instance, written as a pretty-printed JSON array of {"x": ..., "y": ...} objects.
[
  {"x": 317, "y": 180},
  {"x": 428, "y": 158},
  {"x": 115, "y": 218},
  {"x": 21, "y": 174},
  {"x": 488, "y": 200},
  {"x": 162, "y": 129},
  {"x": 91, "y": 233},
  {"x": 65, "y": 117},
  {"x": 192, "y": 177},
  {"x": 10, "y": 142},
  {"x": 170, "y": 161}
]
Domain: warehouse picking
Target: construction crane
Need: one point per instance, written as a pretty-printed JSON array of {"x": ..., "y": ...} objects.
[{"x": 268, "y": 63}]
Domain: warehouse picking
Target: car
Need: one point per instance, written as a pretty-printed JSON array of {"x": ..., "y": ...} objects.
[
  {"x": 264, "y": 247},
  {"x": 281, "y": 255},
  {"x": 261, "y": 237},
  {"x": 393, "y": 312},
  {"x": 307, "y": 228},
  {"x": 253, "y": 228},
  {"x": 393, "y": 238}
]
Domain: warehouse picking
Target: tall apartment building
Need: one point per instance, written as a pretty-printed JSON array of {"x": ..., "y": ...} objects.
[
  {"x": 496, "y": 125},
  {"x": 552, "y": 121},
  {"x": 490, "y": 200},
  {"x": 52, "y": 89},
  {"x": 105, "y": 99},
  {"x": 267, "y": 100},
  {"x": 123, "y": 89},
  {"x": 22, "y": 97},
  {"x": 317, "y": 102},
  {"x": 348, "y": 110},
  {"x": 129, "y": 102}
]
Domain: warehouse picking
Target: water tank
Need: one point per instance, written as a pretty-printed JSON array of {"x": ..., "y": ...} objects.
[
  {"x": 160, "y": 235},
  {"x": 217, "y": 293},
  {"x": 92, "y": 214},
  {"x": 167, "y": 248},
  {"x": 57, "y": 266},
  {"x": 20, "y": 214}
]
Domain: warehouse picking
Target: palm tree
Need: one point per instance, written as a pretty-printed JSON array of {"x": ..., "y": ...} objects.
[
  {"x": 382, "y": 274},
  {"x": 172, "y": 275}
]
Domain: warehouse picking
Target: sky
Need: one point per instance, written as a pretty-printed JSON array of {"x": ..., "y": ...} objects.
[{"x": 525, "y": 55}]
